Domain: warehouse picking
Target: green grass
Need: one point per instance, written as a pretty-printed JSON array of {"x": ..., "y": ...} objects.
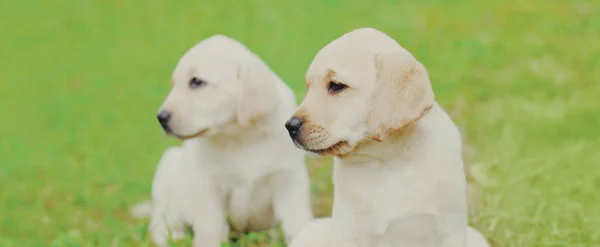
[{"x": 81, "y": 81}]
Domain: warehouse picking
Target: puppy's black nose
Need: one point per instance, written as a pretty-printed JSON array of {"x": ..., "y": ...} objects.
[
  {"x": 293, "y": 125},
  {"x": 163, "y": 118}
]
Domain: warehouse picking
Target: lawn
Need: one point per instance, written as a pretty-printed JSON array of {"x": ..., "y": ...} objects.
[{"x": 81, "y": 81}]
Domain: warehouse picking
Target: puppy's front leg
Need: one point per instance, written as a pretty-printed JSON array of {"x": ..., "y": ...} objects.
[
  {"x": 357, "y": 229},
  {"x": 350, "y": 236},
  {"x": 208, "y": 232},
  {"x": 344, "y": 238},
  {"x": 209, "y": 224},
  {"x": 292, "y": 202}
]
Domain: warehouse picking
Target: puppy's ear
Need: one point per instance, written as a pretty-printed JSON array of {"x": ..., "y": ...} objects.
[
  {"x": 402, "y": 94},
  {"x": 258, "y": 94}
]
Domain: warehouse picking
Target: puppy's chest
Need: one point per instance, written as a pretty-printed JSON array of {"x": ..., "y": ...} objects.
[
  {"x": 235, "y": 173},
  {"x": 387, "y": 206},
  {"x": 232, "y": 169},
  {"x": 379, "y": 192}
]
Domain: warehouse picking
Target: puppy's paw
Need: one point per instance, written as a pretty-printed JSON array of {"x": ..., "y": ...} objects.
[
  {"x": 159, "y": 239},
  {"x": 225, "y": 233},
  {"x": 159, "y": 233},
  {"x": 177, "y": 235},
  {"x": 141, "y": 210}
]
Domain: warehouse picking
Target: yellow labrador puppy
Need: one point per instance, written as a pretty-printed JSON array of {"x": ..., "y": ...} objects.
[
  {"x": 237, "y": 160},
  {"x": 398, "y": 172}
]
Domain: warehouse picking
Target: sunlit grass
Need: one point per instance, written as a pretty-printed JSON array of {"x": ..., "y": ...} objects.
[{"x": 80, "y": 83}]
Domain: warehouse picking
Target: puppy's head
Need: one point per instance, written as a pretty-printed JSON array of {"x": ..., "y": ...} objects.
[
  {"x": 218, "y": 82},
  {"x": 362, "y": 86}
]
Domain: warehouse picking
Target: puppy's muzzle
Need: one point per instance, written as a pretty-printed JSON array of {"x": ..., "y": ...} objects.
[
  {"x": 163, "y": 118},
  {"x": 293, "y": 126}
]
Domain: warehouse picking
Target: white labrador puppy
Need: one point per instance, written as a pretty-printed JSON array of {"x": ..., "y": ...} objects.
[
  {"x": 398, "y": 173},
  {"x": 237, "y": 160}
]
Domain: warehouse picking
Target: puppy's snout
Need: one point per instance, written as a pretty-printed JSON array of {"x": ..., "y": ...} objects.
[
  {"x": 163, "y": 118},
  {"x": 293, "y": 126}
]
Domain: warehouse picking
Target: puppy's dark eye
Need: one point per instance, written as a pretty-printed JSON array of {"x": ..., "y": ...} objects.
[
  {"x": 335, "y": 87},
  {"x": 196, "y": 82}
]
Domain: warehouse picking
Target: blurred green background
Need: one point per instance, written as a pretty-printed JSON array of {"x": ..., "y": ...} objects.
[{"x": 81, "y": 82}]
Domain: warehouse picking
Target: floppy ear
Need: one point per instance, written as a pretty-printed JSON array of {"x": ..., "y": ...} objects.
[
  {"x": 402, "y": 94},
  {"x": 258, "y": 95}
]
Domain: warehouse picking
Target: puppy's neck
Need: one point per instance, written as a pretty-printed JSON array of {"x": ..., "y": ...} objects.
[
  {"x": 395, "y": 146},
  {"x": 232, "y": 132}
]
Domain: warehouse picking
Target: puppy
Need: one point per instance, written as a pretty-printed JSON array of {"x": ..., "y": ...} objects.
[
  {"x": 236, "y": 160},
  {"x": 398, "y": 172}
]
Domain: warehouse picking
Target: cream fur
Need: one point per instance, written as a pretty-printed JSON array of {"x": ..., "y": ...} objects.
[
  {"x": 318, "y": 234},
  {"x": 398, "y": 173},
  {"x": 243, "y": 167}
]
